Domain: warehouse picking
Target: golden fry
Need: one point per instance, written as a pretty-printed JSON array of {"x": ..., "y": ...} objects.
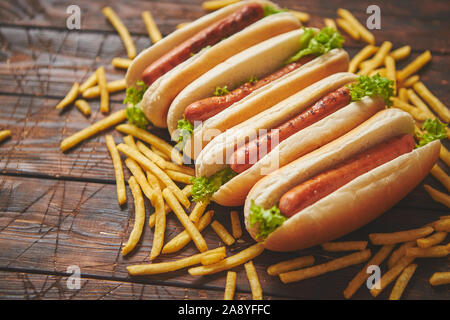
[
  {"x": 329, "y": 23},
  {"x": 152, "y": 28},
  {"x": 183, "y": 218},
  {"x": 83, "y": 106},
  {"x": 159, "y": 153},
  {"x": 348, "y": 28},
  {"x": 441, "y": 225},
  {"x": 160, "y": 225},
  {"x": 252, "y": 277},
  {"x": 402, "y": 282},
  {"x": 139, "y": 220},
  {"x": 431, "y": 252},
  {"x": 111, "y": 87},
  {"x": 440, "y": 278},
  {"x": 90, "y": 82},
  {"x": 333, "y": 265},
  {"x": 415, "y": 112},
  {"x": 389, "y": 62},
  {"x": 175, "y": 167},
  {"x": 121, "y": 30},
  {"x": 129, "y": 141},
  {"x": 399, "y": 253},
  {"x": 236, "y": 228},
  {"x": 432, "y": 101},
  {"x": 378, "y": 59},
  {"x": 344, "y": 246},
  {"x": 432, "y": 240},
  {"x": 223, "y": 234},
  {"x": 289, "y": 265},
  {"x": 104, "y": 95},
  {"x": 230, "y": 285},
  {"x": 403, "y": 94},
  {"x": 390, "y": 275},
  {"x": 160, "y": 162},
  {"x": 182, "y": 25},
  {"x": 444, "y": 154},
  {"x": 180, "y": 196},
  {"x": 365, "y": 34},
  {"x": 212, "y": 258},
  {"x": 93, "y": 129},
  {"x": 414, "y": 66},
  {"x": 229, "y": 262},
  {"x": 410, "y": 81},
  {"x": 401, "y": 236},
  {"x": 401, "y": 53},
  {"x": 217, "y": 4},
  {"x": 303, "y": 17},
  {"x": 415, "y": 100},
  {"x": 362, "y": 276},
  {"x": 4, "y": 134},
  {"x": 137, "y": 172},
  {"x": 438, "y": 196},
  {"x": 440, "y": 174},
  {"x": 70, "y": 97},
  {"x": 198, "y": 210},
  {"x": 179, "y": 176},
  {"x": 121, "y": 63},
  {"x": 118, "y": 170},
  {"x": 362, "y": 55}
]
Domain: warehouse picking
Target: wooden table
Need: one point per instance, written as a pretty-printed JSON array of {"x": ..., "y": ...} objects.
[{"x": 59, "y": 210}]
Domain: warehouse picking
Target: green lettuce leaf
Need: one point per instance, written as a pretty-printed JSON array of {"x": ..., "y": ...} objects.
[
  {"x": 372, "y": 87},
  {"x": 434, "y": 130},
  {"x": 269, "y": 10},
  {"x": 203, "y": 188},
  {"x": 133, "y": 99},
  {"x": 221, "y": 91},
  {"x": 266, "y": 220},
  {"x": 185, "y": 130},
  {"x": 317, "y": 44}
]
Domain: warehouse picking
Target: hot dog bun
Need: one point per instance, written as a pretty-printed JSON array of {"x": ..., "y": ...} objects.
[
  {"x": 356, "y": 203},
  {"x": 255, "y": 61},
  {"x": 332, "y": 62},
  {"x": 162, "y": 92},
  {"x": 213, "y": 156},
  {"x": 151, "y": 54}
]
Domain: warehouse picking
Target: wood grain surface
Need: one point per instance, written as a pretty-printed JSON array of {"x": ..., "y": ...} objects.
[{"x": 60, "y": 209}]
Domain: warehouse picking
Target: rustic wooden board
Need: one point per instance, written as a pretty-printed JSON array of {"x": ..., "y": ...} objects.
[{"x": 60, "y": 209}]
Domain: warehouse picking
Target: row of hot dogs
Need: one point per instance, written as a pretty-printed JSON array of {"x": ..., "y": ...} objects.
[{"x": 274, "y": 123}]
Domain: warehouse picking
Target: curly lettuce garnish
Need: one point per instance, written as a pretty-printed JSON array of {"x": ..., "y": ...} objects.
[
  {"x": 203, "y": 188},
  {"x": 133, "y": 99},
  {"x": 266, "y": 220},
  {"x": 185, "y": 130},
  {"x": 434, "y": 130},
  {"x": 269, "y": 10},
  {"x": 317, "y": 44},
  {"x": 372, "y": 87},
  {"x": 221, "y": 91}
]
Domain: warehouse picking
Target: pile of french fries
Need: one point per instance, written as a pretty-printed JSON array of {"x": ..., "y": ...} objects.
[{"x": 157, "y": 170}]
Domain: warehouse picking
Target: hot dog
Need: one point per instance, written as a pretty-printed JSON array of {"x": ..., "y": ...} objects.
[
  {"x": 280, "y": 77},
  {"x": 167, "y": 67},
  {"x": 341, "y": 186},
  {"x": 305, "y": 121}
]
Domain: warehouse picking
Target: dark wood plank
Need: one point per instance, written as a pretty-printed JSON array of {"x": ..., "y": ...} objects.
[{"x": 48, "y": 225}]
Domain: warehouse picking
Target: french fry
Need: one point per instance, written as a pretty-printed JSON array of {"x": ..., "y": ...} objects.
[
  {"x": 440, "y": 174},
  {"x": 403, "y": 94},
  {"x": 362, "y": 276},
  {"x": 348, "y": 28},
  {"x": 399, "y": 253},
  {"x": 414, "y": 66},
  {"x": 146, "y": 164},
  {"x": 401, "y": 53},
  {"x": 70, "y": 97},
  {"x": 390, "y": 275},
  {"x": 129, "y": 141},
  {"x": 303, "y": 17},
  {"x": 180, "y": 196},
  {"x": 410, "y": 81},
  {"x": 160, "y": 224},
  {"x": 88, "y": 83},
  {"x": 365, "y": 34},
  {"x": 414, "y": 111},
  {"x": 179, "y": 176},
  {"x": 4, "y": 134},
  {"x": 159, "y": 153},
  {"x": 440, "y": 278},
  {"x": 329, "y": 23},
  {"x": 183, "y": 238},
  {"x": 139, "y": 220},
  {"x": 362, "y": 55},
  {"x": 160, "y": 162},
  {"x": 252, "y": 277},
  {"x": 223, "y": 234},
  {"x": 431, "y": 252},
  {"x": 444, "y": 154},
  {"x": 183, "y": 218},
  {"x": 212, "y": 258},
  {"x": 432, "y": 101},
  {"x": 83, "y": 106},
  {"x": 380, "y": 71},
  {"x": 93, "y": 129},
  {"x": 378, "y": 59},
  {"x": 155, "y": 183},
  {"x": 111, "y": 87},
  {"x": 400, "y": 236},
  {"x": 441, "y": 225},
  {"x": 151, "y": 139},
  {"x": 121, "y": 30},
  {"x": 402, "y": 282},
  {"x": 118, "y": 170},
  {"x": 229, "y": 262},
  {"x": 137, "y": 172},
  {"x": 438, "y": 196},
  {"x": 104, "y": 95},
  {"x": 150, "y": 25},
  {"x": 217, "y": 4},
  {"x": 389, "y": 62},
  {"x": 344, "y": 246},
  {"x": 164, "y": 267},
  {"x": 182, "y": 25},
  {"x": 198, "y": 210},
  {"x": 434, "y": 239},
  {"x": 230, "y": 285},
  {"x": 121, "y": 63},
  {"x": 415, "y": 100},
  {"x": 333, "y": 265},
  {"x": 289, "y": 265},
  {"x": 236, "y": 228}
]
